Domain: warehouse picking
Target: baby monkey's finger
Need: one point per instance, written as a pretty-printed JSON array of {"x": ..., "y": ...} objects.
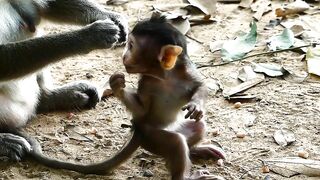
[{"x": 190, "y": 109}]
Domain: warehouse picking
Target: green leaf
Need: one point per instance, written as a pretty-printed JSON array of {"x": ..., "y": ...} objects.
[
  {"x": 238, "y": 48},
  {"x": 282, "y": 41}
]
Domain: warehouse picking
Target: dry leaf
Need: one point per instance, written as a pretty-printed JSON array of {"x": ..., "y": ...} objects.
[
  {"x": 294, "y": 75},
  {"x": 309, "y": 23},
  {"x": 313, "y": 11},
  {"x": 313, "y": 60},
  {"x": 245, "y": 3},
  {"x": 171, "y": 8},
  {"x": 179, "y": 21},
  {"x": 284, "y": 137},
  {"x": 260, "y": 8},
  {"x": 213, "y": 86},
  {"x": 291, "y": 166},
  {"x": 296, "y": 7},
  {"x": 246, "y": 73},
  {"x": 207, "y": 7},
  {"x": 297, "y": 30},
  {"x": 241, "y": 87},
  {"x": 272, "y": 70},
  {"x": 216, "y": 45}
]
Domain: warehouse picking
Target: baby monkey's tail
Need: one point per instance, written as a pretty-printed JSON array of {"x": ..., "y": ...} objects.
[{"x": 96, "y": 168}]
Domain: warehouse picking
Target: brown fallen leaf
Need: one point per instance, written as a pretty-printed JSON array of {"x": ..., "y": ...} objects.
[
  {"x": 297, "y": 30},
  {"x": 296, "y": 7}
]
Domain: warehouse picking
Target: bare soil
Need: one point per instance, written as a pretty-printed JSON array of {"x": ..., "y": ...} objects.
[{"x": 280, "y": 104}]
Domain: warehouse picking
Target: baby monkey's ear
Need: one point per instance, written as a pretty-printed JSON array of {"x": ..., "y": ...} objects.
[{"x": 168, "y": 56}]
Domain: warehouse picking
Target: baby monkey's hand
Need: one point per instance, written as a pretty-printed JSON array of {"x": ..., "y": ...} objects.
[
  {"x": 194, "y": 111},
  {"x": 117, "y": 84}
]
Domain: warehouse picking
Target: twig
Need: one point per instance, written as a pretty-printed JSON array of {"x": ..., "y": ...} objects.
[
  {"x": 257, "y": 54},
  {"x": 82, "y": 135},
  {"x": 193, "y": 38}
]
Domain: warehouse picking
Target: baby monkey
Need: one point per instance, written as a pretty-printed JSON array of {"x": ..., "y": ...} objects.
[{"x": 168, "y": 86}]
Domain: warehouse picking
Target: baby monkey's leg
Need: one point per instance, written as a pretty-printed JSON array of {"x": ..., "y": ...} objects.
[
  {"x": 170, "y": 145},
  {"x": 194, "y": 131}
]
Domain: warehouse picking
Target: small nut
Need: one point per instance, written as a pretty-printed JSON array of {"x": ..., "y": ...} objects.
[
  {"x": 303, "y": 154},
  {"x": 265, "y": 169},
  {"x": 237, "y": 105}
]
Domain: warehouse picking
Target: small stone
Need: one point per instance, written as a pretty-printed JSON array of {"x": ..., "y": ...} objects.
[
  {"x": 241, "y": 134},
  {"x": 215, "y": 132},
  {"x": 89, "y": 75},
  {"x": 220, "y": 162},
  {"x": 99, "y": 135}
]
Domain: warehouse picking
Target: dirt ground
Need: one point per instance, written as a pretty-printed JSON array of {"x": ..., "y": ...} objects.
[{"x": 280, "y": 104}]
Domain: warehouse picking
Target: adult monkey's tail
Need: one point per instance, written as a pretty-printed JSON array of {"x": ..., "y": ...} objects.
[{"x": 97, "y": 168}]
